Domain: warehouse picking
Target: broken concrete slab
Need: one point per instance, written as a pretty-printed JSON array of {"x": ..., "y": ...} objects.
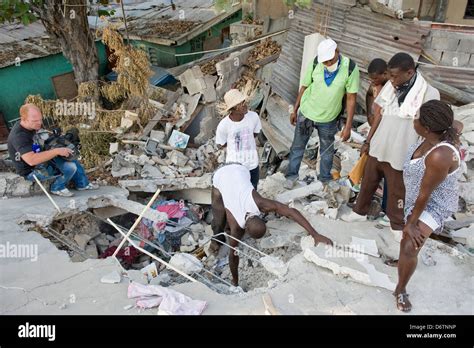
[
  {"x": 338, "y": 262},
  {"x": 209, "y": 93},
  {"x": 150, "y": 171},
  {"x": 193, "y": 80},
  {"x": 125, "y": 204},
  {"x": 274, "y": 265},
  {"x": 464, "y": 236},
  {"x": 167, "y": 184},
  {"x": 186, "y": 263},
  {"x": 377, "y": 278},
  {"x": 317, "y": 207},
  {"x": 364, "y": 246},
  {"x": 13, "y": 185},
  {"x": 82, "y": 240},
  {"x": 124, "y": 171},
  {"x": 177, "y": 158},
  {"x": 229, "y": 70},
  {"x": 305, "y": 191},
  {"x": 111, "y": 278},
  {"x": 197, "y": 196}
]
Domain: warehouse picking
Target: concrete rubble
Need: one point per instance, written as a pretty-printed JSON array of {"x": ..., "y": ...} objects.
[{"x": 142, "y": 162}]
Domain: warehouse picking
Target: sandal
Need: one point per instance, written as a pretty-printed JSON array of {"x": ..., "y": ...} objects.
[{"x": 403, "y": 304}]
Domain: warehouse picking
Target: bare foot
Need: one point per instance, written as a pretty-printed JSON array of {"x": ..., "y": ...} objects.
[{"x": 403, "y": 304}]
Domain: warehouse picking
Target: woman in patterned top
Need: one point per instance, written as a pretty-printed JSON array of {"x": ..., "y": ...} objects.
[{"x": 430, "y": 175}]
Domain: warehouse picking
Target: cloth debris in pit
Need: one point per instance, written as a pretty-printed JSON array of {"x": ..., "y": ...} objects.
[
  {"x": 168, "y": 235},
  {"x": 170, "y": 302},
  {"x": 127, "y": 255}
]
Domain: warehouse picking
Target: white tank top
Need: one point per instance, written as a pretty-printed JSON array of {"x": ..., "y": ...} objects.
[{"x": 233, "y": 182}]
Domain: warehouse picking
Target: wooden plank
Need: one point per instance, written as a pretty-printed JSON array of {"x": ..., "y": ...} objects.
[
  {"x": 151, "y": 124},
  {"x": 269, "y": 307}
]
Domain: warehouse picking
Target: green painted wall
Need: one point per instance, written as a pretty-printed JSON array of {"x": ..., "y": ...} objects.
[
  {"x": 34, "y": 77},
  {"x": 165, "y": 56}
]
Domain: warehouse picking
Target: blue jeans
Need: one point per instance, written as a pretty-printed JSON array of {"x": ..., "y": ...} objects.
[
  {"x": 326, "y": 133},
  {"x": 67, "y": 171},
  {"x": 255, "y": 177}
]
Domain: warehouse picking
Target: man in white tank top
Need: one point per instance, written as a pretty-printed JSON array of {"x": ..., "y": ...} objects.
[{"x": 236, "y": 206}]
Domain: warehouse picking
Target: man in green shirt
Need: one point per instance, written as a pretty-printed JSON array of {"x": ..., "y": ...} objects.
[{"x": 319, "y": 105}]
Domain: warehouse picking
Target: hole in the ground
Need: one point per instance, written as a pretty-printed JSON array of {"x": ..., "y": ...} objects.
[{"x": 88, "y": 235}]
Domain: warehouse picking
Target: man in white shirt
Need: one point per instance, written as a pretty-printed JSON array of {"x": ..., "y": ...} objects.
[
  {"x": 237, "y": 132},
  {"x": 391, "y": 135},
  {"x": 236, "y": 206}
]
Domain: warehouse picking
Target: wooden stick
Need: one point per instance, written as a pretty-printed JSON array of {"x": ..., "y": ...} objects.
[
  {"x": 126, "y": 237},
  {"x": 269, "y": 307},
  {"x": 137, "y": 221},
  {"x": 47, "y": 194}
]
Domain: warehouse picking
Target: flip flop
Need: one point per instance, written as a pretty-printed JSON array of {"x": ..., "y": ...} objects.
[{"x": 402, "y": 299}]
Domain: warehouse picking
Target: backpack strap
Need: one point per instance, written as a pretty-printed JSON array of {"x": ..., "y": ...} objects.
[{"x": 352, "y": 65}]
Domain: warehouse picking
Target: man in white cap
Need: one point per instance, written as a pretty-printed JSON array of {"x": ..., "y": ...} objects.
[
  {"x": 237, "y": 132},
  {"x": 319, "y": 104}
]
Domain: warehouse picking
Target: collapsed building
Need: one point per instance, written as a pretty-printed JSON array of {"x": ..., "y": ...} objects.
[{"x": 151, "y": 231}]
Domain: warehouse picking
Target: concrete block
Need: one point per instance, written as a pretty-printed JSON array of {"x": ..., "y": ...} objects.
[
  {"x": 193, "y": 80},
  {"x": 149, "y": 171},
  {"x": 209, "y": 93},
  {"x": 158, "y": 135},
  {"x": 186, "y": 263},
  {"x": 466, "y": 45},
  {"x": 365, "y": 246},
  {"x": 124, "y": 171},
  {"x": 435, "y": 54},
  {"x": 82, "y": 240},
  {"x": 301, "y": 192},
  {"x": 444, "y": 43},
  {"x": 178, "y": 158},
  {"x": 453, "y": 58},
  {"x": 113, "y": 148},
  {"x": 307, "y": 242}
]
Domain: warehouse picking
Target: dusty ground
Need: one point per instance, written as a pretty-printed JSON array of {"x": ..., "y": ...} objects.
[{"x": 55, "y": 285}]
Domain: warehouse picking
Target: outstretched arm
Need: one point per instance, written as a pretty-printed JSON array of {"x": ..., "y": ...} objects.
[{"x": 268, "y": 205}]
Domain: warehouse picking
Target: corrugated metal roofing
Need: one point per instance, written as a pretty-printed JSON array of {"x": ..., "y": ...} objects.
[
  {"x": 144, "y": 18},
  {"x": 361, "y": 35},
  {"x": 25, "y": 42}
]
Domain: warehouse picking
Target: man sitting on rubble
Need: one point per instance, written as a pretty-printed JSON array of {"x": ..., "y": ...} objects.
[
  {"x": 327, "y": 80},
  {"x": 390, "y": 137},
  {"x": 30, "y": 161},
  {"x": 236, "y": 206}
]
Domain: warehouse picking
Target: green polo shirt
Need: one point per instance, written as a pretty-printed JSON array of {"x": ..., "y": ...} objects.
[{"x": 322, "y": 103}]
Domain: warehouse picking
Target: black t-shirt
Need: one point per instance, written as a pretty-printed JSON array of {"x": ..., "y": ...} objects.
[{"x": 20, "y": 141}]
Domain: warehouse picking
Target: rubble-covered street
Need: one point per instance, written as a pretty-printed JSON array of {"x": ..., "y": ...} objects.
[{"x": 145, "y": 133}]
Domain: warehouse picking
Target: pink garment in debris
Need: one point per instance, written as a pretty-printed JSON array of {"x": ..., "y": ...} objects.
[{"x": 169, "y": 301}]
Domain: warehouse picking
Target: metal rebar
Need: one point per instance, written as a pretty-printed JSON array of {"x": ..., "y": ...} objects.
[{"x": 247, "y": 245}]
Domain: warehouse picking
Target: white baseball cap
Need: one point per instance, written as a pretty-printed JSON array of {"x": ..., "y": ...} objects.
[{"x": 326, "y": 50}]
